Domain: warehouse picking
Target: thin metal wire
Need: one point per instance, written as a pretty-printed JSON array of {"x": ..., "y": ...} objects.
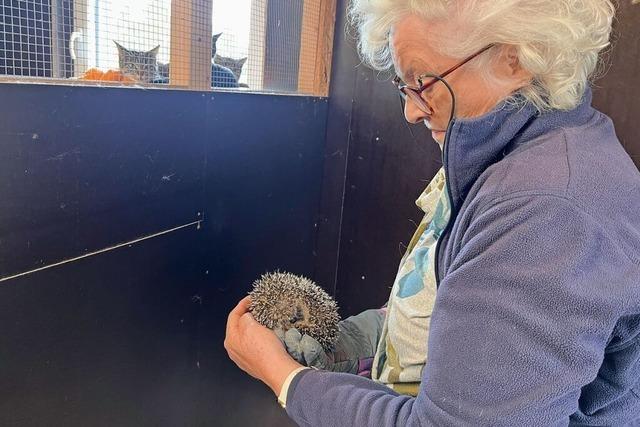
[{"x": 101, "y": 251}]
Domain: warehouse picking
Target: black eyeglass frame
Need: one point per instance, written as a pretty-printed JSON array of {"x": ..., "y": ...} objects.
[{"x": 415, "y": 94}]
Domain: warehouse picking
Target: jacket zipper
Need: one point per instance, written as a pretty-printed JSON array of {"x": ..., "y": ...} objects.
[{"x": 452, "y": 213}]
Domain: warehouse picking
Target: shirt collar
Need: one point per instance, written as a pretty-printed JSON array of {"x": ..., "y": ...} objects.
[{"x": 477, "y": 143}]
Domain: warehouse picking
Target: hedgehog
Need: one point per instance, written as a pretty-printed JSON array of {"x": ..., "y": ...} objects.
[{"x": 284, "y": 301}]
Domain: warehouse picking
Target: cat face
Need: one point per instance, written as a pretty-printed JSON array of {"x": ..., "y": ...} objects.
[
  {"x": 235, "y": 65},
  {"x": 142, "y": 66}
]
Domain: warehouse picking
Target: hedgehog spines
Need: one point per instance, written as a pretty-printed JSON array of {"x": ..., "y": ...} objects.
[{"x": 285, "y": 301}]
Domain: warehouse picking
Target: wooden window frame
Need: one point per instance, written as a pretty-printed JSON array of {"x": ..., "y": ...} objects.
[
  {"x": 316, "y": 46},
  {"x": 190, "y": 48}
]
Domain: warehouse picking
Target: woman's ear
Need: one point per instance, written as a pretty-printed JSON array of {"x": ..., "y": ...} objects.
[
  {"x": 511, "y": 68},
  {"x": 511, "y": 56}
]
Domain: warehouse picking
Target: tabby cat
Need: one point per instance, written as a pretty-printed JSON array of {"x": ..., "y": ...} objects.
[
  {"x": 141, "y": 66},
  {"x": 235, "y": 65},
  {"x": 144, "y": 66},
  {"x": 221, "y": 76}
]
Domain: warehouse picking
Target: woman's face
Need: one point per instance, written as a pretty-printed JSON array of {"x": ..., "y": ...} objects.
[{"x": 413, "y": 55}]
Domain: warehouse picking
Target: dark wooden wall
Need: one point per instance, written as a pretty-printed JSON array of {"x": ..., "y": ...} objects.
[
  {"x": 617, "y": 93},
  {"x": 376, "y": 165},
  {"x": 133, "y": 336}
]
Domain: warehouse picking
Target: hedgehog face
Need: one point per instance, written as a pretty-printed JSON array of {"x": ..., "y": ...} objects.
[{"x": 301, "y": 317}]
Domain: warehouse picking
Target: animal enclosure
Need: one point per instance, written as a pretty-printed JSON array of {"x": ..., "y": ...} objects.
[{"x": 279, "y": 46}]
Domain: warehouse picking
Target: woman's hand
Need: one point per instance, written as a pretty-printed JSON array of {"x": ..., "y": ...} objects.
[{"x": 256, "y": 349}]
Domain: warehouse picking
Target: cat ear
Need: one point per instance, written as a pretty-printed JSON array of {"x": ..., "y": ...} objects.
[
  {"x": 154, "y": 51},
  {"x": 241, "y": 61},
  {"x": 216, "y": 37},
  {"x": 120, "y": 47}
]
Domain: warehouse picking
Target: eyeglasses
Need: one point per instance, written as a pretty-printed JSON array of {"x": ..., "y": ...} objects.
[{"x": 416, "y": 94}]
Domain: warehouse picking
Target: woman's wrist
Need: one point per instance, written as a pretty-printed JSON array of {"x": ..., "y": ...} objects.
[{"x": 277, "y": 373}]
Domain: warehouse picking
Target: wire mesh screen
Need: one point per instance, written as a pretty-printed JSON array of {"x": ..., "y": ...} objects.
[{"x": 258, "y": 45}]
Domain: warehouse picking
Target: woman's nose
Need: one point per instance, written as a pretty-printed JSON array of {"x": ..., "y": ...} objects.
[{"x": 412, "y": 113}]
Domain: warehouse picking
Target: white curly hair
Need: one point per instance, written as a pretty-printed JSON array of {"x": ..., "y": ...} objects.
[{"x": 557, "y": 41}]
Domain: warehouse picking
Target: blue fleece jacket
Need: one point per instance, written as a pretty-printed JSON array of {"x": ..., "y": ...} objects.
[{"x": 537, "y": 315}]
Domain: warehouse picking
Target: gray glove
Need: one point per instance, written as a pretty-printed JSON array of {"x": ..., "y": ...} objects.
[{"x": 355, "y": 347}]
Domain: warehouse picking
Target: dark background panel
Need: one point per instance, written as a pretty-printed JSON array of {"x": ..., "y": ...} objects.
[
  {"x": 617, "y": 93},
  {"x": 389, "y": 165},
  {"x": 134, "y": 336},
  {"x": 263, "y": 189},
  {"x": 108, "y": 340},
  {"x": 376, "y": 166},
  {"x": 78, "y": 163},
  {"x": 336, "y": 151}
]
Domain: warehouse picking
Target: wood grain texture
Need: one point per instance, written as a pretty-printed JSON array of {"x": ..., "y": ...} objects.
[
  {"x": 190, "y": 55},
  {"x": 316, "y": 46}
]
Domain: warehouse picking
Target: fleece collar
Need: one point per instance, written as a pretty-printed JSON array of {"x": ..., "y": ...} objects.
[{"x": 477, "y": 143}]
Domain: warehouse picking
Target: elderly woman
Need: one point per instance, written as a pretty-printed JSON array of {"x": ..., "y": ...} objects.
[{"x": 531, "y": 236}]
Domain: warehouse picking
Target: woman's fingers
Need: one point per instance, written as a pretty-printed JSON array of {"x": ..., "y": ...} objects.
[
  {"x": 242, "y": 307},
  {"x": 233, "y": 324},
  {"x": 249, "y": 320},
  {"x": 237, "y": 312}
]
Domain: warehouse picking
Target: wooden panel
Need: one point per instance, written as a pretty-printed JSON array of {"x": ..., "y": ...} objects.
[
  {"x": 316, "y": 46},
  {"x": 309, "y": 39},
  {"x": 341, "y": 104},
  {"x": 70, "y": 176},
  {"x": 617, "y": 92},
  {"x": 134, "y": 336},
  {"x": 376, "y": 166},
  {"x": 190, "y": 56}
]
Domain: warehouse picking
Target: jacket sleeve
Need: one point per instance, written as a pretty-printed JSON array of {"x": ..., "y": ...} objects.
[{"x": 520, "y": 324}]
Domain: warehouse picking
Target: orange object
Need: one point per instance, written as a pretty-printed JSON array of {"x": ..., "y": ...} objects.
[{"x": 109, "y": 75}]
